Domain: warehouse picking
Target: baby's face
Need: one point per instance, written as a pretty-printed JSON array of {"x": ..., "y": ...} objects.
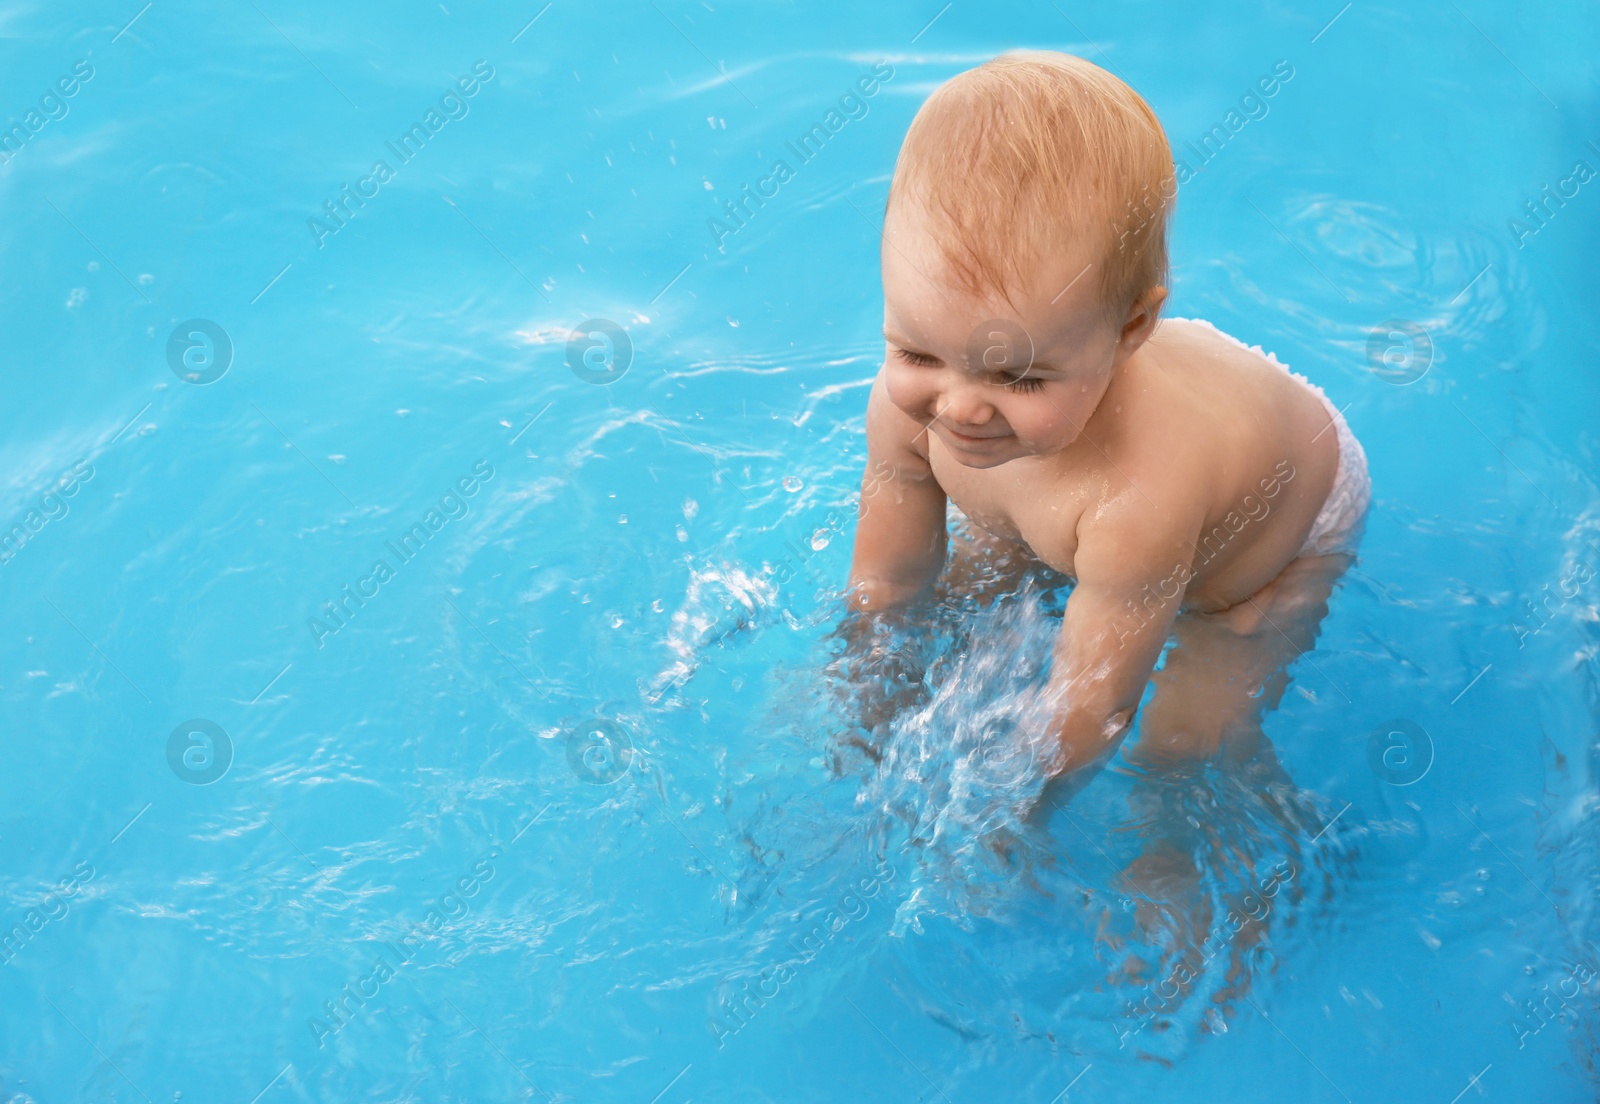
[{"x": 961, "y": 364}]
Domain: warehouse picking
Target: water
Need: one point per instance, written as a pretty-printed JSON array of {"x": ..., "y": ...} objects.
[{"x": 565, "y": 803}]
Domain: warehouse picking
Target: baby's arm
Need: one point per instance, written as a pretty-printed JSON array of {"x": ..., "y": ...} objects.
[
  {"x": 900, "y": 534},
  {"x": 1132, "y": 565}
]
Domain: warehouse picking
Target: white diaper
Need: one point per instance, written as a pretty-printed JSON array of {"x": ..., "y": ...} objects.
[{"x": 1339, "y": 522}]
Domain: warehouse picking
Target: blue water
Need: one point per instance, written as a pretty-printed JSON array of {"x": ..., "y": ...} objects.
[{"x": 573, "y": 766}]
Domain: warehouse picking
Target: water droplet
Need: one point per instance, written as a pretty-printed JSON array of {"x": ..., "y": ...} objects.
[
  {"x": 683, "y": 534},
  {"x": 1483, "y": 874},
  {"x": 623, "y": 520},
  {"x": 792, "y": 483},
  {"x": 690, "y": 508},
  {"x": 819, "y": 540}
]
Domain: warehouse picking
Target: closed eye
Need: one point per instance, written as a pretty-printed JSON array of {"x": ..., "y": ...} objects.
[
  {"x": 922, "y": 360},
  {"x": 1024, "y": 383}
]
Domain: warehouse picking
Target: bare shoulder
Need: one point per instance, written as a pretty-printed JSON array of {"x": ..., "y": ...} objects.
[
  {"x": 894, "y": 437},
  {"x": 1141, "y": 534}
]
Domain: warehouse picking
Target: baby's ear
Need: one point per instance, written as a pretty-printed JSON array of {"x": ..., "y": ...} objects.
[{"x": 1140, "y": 322}]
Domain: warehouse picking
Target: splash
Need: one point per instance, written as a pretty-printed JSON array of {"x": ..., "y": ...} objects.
[
  {"x": 722, "y": 603},
  {"x": 1132, "y": 919},
  {"x": 958, "y": 776}
]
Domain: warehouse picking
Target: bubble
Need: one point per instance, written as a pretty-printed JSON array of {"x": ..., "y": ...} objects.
[
  {"x": 792, "y": 483},
  {"x": 820, "y": 540}
]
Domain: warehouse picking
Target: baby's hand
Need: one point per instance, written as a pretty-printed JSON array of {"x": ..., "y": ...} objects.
[{"x": 881, "y": 666}]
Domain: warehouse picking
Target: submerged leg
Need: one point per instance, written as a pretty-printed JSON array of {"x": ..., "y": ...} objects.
[
  {"x": 1227, "y": 669},
  {"x": 1221, "y": 676}
]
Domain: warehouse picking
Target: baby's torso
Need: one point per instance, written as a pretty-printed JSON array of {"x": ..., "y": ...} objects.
[{"x": 1191, "y": 418}]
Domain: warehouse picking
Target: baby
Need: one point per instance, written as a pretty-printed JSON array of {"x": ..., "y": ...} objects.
[{"x": 1029, "y": 379}]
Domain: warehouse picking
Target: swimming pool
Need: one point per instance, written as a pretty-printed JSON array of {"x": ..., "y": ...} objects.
[{"x": 404, "y": 702}]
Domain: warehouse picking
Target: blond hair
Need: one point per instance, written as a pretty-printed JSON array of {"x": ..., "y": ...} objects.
[{"x": 1034, "y": 153}]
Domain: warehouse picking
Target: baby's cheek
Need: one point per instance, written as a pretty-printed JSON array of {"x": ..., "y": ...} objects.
[
  {"x": 1044, "y": 421},
  {"x": 907, "y": 394}
]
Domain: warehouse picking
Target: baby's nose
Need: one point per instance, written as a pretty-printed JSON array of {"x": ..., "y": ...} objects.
[{"x": 967, "y": 405}]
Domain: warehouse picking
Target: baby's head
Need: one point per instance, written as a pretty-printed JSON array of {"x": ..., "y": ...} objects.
[{"x": 1024, "y": 252}]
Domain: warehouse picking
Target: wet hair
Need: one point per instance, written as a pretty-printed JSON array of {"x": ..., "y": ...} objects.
[{"x": 1037, "y": 154}]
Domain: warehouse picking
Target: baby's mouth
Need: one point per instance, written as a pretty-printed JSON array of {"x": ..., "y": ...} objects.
[{"x": 972, "y": 437}]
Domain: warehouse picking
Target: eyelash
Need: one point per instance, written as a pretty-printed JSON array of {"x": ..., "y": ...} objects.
[
  {"x": 922, "y": 360},
  {"x": 1023, "y": 384}
]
